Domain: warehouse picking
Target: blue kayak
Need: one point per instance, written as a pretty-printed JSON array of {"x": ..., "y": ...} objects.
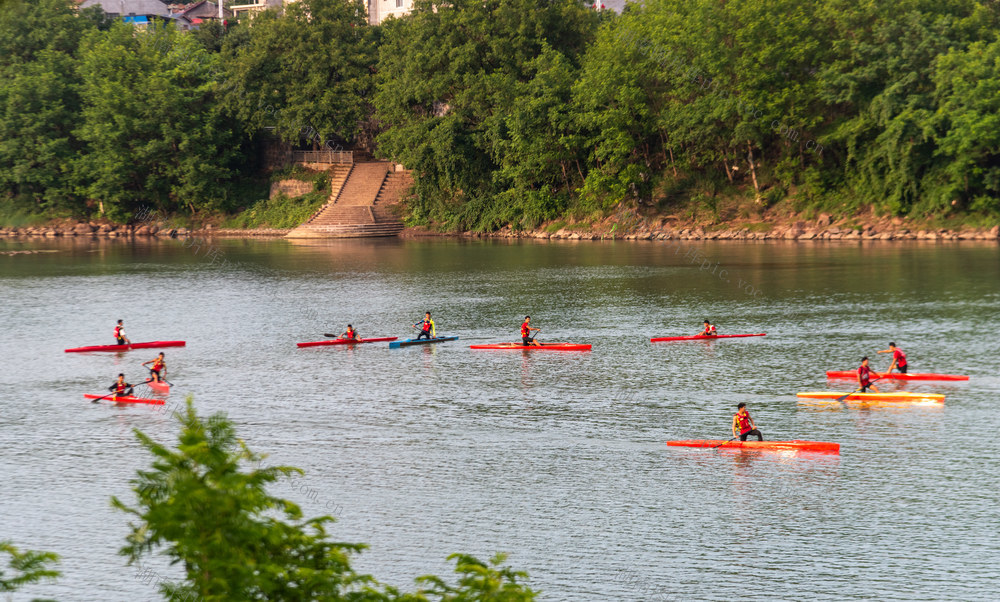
[{"x": 408, "y": 342}]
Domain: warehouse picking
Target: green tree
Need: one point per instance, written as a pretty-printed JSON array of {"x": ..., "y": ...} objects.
[
  {"x": 306, "y": 72},
  {"x": 234, "y": 540},
  {"x": 205, "y": 505},
  {"x": 155, "y": 131},
  {"x": 458, "y": 105},
  {"x": 29, "y": 568},
  {"x": 39, "y": 103}
]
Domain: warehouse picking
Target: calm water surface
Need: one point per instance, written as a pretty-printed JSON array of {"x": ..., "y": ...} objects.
[{"x": 558, "y": 459}]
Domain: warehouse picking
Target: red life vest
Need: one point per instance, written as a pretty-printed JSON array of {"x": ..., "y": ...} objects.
[
  {"x": 158, "y": 365},
  {"x": 900, "y": 357},
  {"x": 743, "y": 421},
  {"x": 866, "y": 375},
  {"x": 709, "y": 331},
  {"x": 427, "y": 325},
  {"x": 120, "y": 387},
  {"x": 525, "y": 330},
  {"x": 117, "y": 332}
]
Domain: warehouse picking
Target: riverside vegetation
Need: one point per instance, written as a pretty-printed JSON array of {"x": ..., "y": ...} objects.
[
  {"x": 517, "y": 113},
  {"x": 205, "y": 505}
]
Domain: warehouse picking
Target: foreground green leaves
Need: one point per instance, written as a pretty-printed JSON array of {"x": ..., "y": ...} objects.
[
  {"x": 29, "y": 567},
  {"x": 205, "y": 505}
]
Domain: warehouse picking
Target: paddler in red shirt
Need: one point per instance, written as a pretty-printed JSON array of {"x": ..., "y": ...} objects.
[
  {"x": 526, "y": 338},
  {"x": 865, "y": 376},
  {"x": 121, "y": 388},
  {"x": 350, "y": 334},
  {"x": 709, "y": 330},
  {"x": 898, "y": 358},
  {"x": 120, "y": 337},
  {"x": 743, "y": 425},
  {"x": 159, "y": 368}
]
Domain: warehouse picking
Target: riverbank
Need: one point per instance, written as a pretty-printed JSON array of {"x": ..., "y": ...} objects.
[{"x": 824, "y": 227}]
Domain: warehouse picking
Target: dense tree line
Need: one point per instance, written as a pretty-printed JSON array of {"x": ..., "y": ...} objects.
[{"x": 517, "y": 111}]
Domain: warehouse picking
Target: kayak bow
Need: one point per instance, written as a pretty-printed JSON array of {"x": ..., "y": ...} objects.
[
  {"x": 853, "y": 374},
  {"x": 542, "y": 347},
  {"x": 149, "y": 345},
  {"x": 704, "y": 337},
  {"x": 888, "y": 396},
  {"x": 126, "y": 399},
  {"x": 794, "y": 445},
  {"x": 346, "y": 341},
  {"x": 409, "y": 342},
  {"x": 160, "y": 387}
]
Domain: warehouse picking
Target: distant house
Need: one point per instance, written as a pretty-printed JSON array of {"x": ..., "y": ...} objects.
[
  {"x": 123, "y": 9},
  {"x": 380, "y": 10},
  {"x": 248, "y": 7},
  {"x": 197, "y": 13}
]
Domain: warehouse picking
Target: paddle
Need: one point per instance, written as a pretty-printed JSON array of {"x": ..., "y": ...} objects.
[
  {"x": 725, "y": 442},
  {"x": 843, "y": 397},
  {"x": 112, "y": 394}
]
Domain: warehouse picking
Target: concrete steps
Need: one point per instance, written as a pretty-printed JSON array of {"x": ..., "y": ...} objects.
[{"x": 364, "y": 204}]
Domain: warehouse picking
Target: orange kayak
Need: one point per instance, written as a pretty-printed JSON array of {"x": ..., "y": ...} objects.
[{"x": 794, "y": 445}]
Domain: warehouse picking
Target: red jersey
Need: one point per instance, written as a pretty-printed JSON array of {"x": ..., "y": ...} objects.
[
  {"x": 525, "y": 330},
  {"x": 865, "y": 374},
  {"x": 120, "y": 387},
  {"x": 743, "y": 422},
  {"x": 158, "y": 365},
  {"x": 899, "y": 357},
  {"x": 709, "y": 331}
]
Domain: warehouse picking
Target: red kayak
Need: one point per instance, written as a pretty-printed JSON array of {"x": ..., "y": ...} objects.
[
  {"x": 160, "y": 387},
  {"x": 704, "y": 337},
  {"x": 853, "y": 374},
  {"x": 346, "y": 341},
  {"x": 150, "y": 345},
  {"x": 542, "y": 347},
  {"x": 794, "y": 445},
  {"x": 126, "y": 399}
]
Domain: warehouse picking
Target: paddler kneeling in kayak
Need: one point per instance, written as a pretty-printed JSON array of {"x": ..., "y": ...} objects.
[
  {"x": 159, "y": 369},
  {"x": 743, "y": 423},
  {"x": 526, "y": 338},
  {"x": 898, "y": 359},
  {"x": 121, "y": 388},
  {"x": 427, "y": 329},
  {"x": 120, "y": 337},
  {"x": 865, "y": 376},
  {"x": 350, "y": 334},
  {"x": 709, "y": 330}
]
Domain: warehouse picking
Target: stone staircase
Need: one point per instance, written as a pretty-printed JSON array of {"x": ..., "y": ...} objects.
[{"x": 364, "y": 205}]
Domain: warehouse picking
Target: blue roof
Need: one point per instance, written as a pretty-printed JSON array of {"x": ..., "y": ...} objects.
[{"x": 136, "y": 20}]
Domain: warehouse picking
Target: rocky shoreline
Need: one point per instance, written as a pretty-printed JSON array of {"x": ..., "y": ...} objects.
[
  {"x": 823, "y": 228},
  {"x": 106, "y": 230}
]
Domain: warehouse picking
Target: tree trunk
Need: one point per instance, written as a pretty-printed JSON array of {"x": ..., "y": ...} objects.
[
  {"x": 753, "y": 171},
  {"x": 729, "y": 172}
]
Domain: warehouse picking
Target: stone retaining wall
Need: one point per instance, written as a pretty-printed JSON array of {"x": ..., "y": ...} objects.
[{"x": 291, "y": 188}]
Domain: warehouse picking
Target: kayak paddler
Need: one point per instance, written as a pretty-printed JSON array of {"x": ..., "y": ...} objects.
[
  {"x": 350, "y": 334},
  {"x": 120, "y": 337},
  {"x": 526, "y": 338},
  {"x": 898, "y": 358},
  {"x": 743, "y": 425},
  {"x": 709, "y": 330},
  {"x": 159, "y": 369},
  {"x": 427, "y": 329},
  {"x": 120, "y": 387},
  {"x": 865, "y": 376}
]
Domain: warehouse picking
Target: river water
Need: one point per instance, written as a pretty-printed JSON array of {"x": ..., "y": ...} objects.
[{"x": 558, "y": 459}]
